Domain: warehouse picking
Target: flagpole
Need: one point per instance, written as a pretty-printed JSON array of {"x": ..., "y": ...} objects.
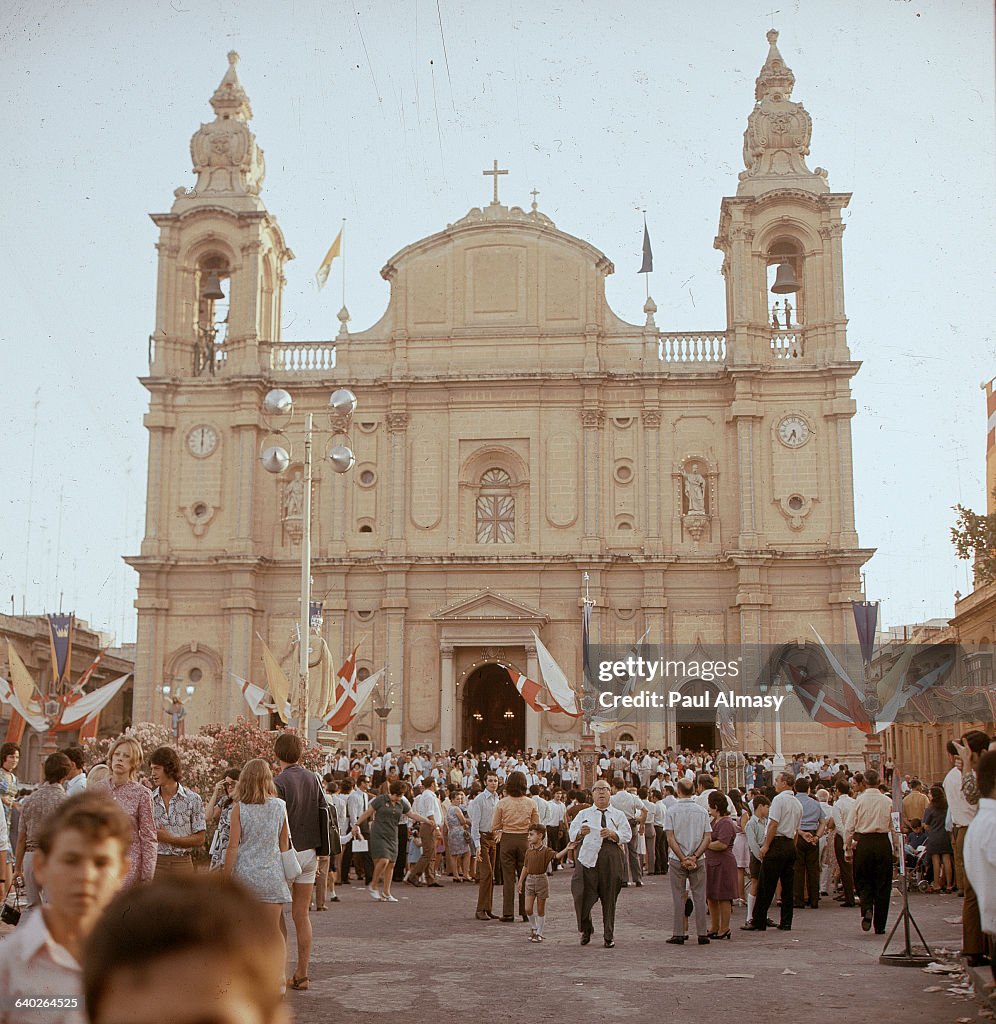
[
  {"x": 588, "y": 752},
  {"x": 342, "y": 254}
]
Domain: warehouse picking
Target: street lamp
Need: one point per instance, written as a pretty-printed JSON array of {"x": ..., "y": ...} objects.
[{"x": 278, "y": 407}]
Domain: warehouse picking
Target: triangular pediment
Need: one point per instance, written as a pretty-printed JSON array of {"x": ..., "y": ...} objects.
[{"x": 487, "y": 605}]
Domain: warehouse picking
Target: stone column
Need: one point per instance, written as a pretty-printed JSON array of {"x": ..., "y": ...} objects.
[
  {"x": 592, "y": 419},
  {"x": 397, "y": 426},
  {"x": 652, "y": 481},
  {"x": 532, "y": 717},
  {"x": 742, "y": 413},
  {"x": 447, "y": 697}
]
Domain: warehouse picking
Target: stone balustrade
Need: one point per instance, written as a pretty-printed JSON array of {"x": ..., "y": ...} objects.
[{"x": 709, "y": 347}]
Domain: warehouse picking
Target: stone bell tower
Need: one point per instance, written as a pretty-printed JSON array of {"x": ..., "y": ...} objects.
[
  {"x": 221, "y": 254},
  {"x": 218, "y": 298}
]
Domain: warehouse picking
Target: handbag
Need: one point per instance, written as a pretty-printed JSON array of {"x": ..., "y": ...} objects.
[
  {"x": 288, "y": 857},
  {"x": 291, "y": 865},
  {"x": 11, "y": 913}
]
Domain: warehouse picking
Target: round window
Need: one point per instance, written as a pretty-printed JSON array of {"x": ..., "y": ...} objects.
[
  {"x": 195, "y": 675},
  {"x": 367, "y": 477},
  {"x": 795, "y": 502}
]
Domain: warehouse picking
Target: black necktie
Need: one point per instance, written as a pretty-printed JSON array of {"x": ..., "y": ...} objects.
[{"x": 604, "y": 825}]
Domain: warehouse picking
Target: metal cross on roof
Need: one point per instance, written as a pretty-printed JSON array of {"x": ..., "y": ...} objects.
[{"x": 494, "y": 172}]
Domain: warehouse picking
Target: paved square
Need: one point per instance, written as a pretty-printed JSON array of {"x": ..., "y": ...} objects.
[{"x": 427, "y": 959}]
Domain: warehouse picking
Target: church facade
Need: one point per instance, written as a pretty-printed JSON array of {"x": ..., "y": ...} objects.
[{"x": 512, "y": 434}]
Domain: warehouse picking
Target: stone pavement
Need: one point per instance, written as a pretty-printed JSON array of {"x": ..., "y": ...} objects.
[{"x": 427, "y": 959}]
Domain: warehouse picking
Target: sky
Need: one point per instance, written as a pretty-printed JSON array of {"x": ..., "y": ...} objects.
[{"x": 386, "y": 113}]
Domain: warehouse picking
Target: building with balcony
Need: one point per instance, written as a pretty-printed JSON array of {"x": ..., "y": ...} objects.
[{"x": 513, "y": 432}]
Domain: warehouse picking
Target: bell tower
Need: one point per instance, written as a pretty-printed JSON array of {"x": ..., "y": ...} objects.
[
  {"x": 218, "y": 298},
  {"x": 781, "y": 236},
  {"x": 221, "y": 254}
]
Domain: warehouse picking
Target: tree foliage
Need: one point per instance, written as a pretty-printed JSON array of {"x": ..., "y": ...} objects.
[{"x": 974, "y": 538}]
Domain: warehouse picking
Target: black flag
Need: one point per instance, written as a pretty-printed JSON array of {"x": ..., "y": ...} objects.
[{"x": 648, "y": 256}]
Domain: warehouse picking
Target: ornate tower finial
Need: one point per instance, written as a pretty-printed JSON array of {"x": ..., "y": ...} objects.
[
  {"x": 778, "y": 133},
  {"x": 226, "y": 159},
  {"x": 230, "y": 99}
]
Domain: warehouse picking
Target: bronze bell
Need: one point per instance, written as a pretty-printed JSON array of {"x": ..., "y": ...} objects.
[
  {"x": 785, "y": 279},
  {"x": 212, "y": 287}
]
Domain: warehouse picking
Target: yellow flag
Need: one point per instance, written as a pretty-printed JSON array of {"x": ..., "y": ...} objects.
[
  {"x": 322, "y": 274},
  {"x": 21, "y": 680},
  {"x": 276, "y": 681}
]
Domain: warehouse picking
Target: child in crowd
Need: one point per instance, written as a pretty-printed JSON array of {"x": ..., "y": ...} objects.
[
  {"x": 414, "y": 850},
  {"x": 755, "y": 830},
  {"x": 534, "y": 881},
  {"x": 185, "y": 949}
]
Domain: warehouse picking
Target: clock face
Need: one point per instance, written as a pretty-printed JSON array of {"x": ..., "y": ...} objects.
[
  {"x": 793, "y": 431},
  {"x": 202, "y": 441}
]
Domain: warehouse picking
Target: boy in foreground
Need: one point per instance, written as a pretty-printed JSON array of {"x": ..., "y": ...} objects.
[
  {"x": 185, "y": 950},
  {"x": 81, "y": 859}
]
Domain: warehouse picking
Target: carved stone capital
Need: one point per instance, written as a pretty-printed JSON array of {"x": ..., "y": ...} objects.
[
  {"x": 592, "y": 418},
  {"x": 651, "y": 418},
  {"x": 397, "y": 422}
]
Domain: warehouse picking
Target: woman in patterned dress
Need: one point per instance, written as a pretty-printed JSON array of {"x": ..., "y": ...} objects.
[
  {"x": 258, "y": 834},
  {"x": 125, "y": 758},
  {"x": 458, "y": 837}
]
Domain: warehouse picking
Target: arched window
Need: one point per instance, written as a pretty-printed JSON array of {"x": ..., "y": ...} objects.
[{"x": 495, "y": 508}]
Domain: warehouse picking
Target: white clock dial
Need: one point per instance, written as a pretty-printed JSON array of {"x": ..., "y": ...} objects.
[
  {"x": 793, "y": 431},
  {"x": 202, "y": 440}
]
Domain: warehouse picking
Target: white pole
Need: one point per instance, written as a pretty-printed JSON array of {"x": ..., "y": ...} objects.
[
  {"x": 779, "y": 760},
  {"x": 303, "y": 697}
]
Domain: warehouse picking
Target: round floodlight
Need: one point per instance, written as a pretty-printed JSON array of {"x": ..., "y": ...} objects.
[
  {"x": 278, "y": 403},
  {"x": 275, "y": 459},
  {"x": 341, "y": 458},
  {"x": 342, "y": 402}
]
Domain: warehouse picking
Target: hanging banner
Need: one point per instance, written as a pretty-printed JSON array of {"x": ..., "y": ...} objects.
[
  {"x": 315, "y": 615},
  {"x": 865, "y": 620},
  {"x": 61, "y": 637}
]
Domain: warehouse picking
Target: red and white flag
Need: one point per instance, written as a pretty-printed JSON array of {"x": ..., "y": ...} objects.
[{"x": 529, "y": 691}]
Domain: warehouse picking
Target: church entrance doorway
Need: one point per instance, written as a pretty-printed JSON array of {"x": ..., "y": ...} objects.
[
  {"x": 494, "y": 715},
  {"x": 696, "y": 726}
]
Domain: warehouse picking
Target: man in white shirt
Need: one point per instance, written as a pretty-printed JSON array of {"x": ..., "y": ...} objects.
[
  {"x": 427, "y": 804},
  {"x": 636, "y": 814},
  {"x": 481, "y": 812},
  {"x": 76, "y": 779},
  {"x": 556, "y": 829},
  {"x": 778, "y": 856},
  {"x": 600, "y": 869},
  {"x": 962, "y": 813},
  {"x": 842, "y": 809},
  {"x": 688, "y": 833},
  {"x": 980, "y": 845},
  {"x": 82, "y": 849},
  {"x": 356, "y": 805}
]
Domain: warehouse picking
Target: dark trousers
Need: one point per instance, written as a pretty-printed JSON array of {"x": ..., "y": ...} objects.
[
  {"x": 556, "y": 840},
  {"x": 399, "y": 865},
  {"x": 600, "y": 883},
  {"x": 873, "y": 875},
  {"x": 972, "y": 941},
  {"x": 807, "y": 872},
  {"x": 631, "y": 847},
  {"x": 777, "y": 866},
  {"x": 662, "y": 858},
  {"x": 513, "y": 857},
  {"x": 360, "y": 861},
  {"x": 846, "y": 870},
  {"x": 486, "y": 872}
]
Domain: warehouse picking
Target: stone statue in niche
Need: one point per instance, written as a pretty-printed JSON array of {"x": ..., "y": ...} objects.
[
  {"x": 294, "y": 498},
  {"x": 694, "y": 490}
]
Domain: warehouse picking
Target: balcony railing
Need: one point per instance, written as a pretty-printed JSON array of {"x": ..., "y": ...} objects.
[
  {"x": 692, "y": 348},
  {"x": 303, "y": 357},
  {"x": 786, "y": 344}
]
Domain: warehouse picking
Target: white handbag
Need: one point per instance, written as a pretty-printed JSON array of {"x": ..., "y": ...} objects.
[
  {"x": 292, "y": 866},
  {"x": 288, "y": 857}
]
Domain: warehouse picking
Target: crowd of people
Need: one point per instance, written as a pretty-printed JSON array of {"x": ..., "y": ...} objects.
[{"x": 94, "y": 848}]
